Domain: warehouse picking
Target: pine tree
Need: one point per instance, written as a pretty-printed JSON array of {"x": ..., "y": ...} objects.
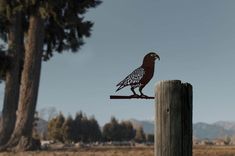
[
  {"x": 55, "y": 130},
  {"x": 140, "y": 136},
  {"x": 115, "y": 131},
  {"x": 78, "y": 127},
  {"x": 127, "y": 131},
  {"x": 67, "y": 130},
  {"x": 47, "y": 27},
  {"x": 94, "y": 129}
]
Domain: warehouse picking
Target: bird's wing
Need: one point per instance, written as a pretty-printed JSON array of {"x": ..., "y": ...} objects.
[{"x": 133, "y": 78}]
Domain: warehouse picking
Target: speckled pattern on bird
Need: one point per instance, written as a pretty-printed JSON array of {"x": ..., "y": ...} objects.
[{"x": 132, "y": 79}]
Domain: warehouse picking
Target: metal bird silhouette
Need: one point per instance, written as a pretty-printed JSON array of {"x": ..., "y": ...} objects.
[{"x": 140, "y": 76}]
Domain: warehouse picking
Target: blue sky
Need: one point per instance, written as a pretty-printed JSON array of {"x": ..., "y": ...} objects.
[{"x": 194, "y": 38}]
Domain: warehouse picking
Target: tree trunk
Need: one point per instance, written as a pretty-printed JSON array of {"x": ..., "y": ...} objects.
[
  {"x": 12, "y": 83},
  {"x": 21, "y": 139}
]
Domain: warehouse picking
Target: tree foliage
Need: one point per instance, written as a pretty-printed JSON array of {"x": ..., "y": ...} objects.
[
  {"x": 48, "y": 26},
  {"x": 55, "y": 128},
  {"x": 80, "y": 129},
  {"x": 67, "y": 130},
  {"x": 127, "y": 130},
  {"x": 86, "y": 129},
  {"x": 140, "y": 136},
  {"x": 150, "y": 138},
  {"x": 64, "y": 23},
  {"x": 115, "y": 131},
  {"x": 4, "y": 64}
]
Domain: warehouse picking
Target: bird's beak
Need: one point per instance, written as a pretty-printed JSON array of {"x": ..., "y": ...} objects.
[{"x": 157, "y": 57}]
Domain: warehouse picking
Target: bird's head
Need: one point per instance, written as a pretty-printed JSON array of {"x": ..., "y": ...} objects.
[{"x": 151, "y": 57}]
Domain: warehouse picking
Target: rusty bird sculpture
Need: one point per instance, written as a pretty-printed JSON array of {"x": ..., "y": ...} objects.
[{"x": 140, "y": 76}]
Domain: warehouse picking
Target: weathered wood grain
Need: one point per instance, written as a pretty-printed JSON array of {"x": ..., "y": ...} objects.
[{"x": 173, "y": 119}]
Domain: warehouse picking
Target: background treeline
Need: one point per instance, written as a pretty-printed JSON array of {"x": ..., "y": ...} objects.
[{"x": 86, "y": 129}]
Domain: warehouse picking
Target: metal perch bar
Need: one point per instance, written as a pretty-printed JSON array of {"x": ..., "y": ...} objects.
[{"x": 130, "y": 97}]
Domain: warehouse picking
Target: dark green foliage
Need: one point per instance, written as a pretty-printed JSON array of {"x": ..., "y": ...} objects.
[
  {"x": 55, "y": 130},
  {"x": 67, "y": 129},
  {"x": 150, "y": 138},
  {"x": 65, "y": 27},
  {"x": 80, "y": 129},
  {"x": 3, "y": 20},
  {"x": 86, "y": 129},
  {"x": 7, "y": 10},
  {"x": 3, "y": 34},
  {"x": 111, "y": 130},
  {"x": 127, "y": 131},
  {"x": 95, "y": 132},
  {"x": 64, "y": 24},
  {"x": 114, "y": 131},
  {"x": 5, "y": 64}
]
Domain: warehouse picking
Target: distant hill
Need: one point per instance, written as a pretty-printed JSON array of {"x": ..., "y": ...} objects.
[
  {"x": 201, "y": 130},
  {"x": 210, "y": 131},
  {"x": 148, "y": 126},
  {"x": 228, "y": 125}
]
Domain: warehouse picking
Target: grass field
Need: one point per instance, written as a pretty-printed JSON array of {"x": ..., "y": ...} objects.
[
  {"x": 214, "y": 151},
  {"x": 141, "y": 151}
]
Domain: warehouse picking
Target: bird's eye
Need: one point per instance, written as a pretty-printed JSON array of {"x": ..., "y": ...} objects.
[{"x": 152, "y": 55}]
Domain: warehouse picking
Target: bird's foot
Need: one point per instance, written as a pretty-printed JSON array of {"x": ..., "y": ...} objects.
[
  {"x": 135, "y": 96},
  {"x": 144, "y": 96}
]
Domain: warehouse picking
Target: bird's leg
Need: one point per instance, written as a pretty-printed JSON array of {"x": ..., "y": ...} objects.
[
  {"x": 141, "y": 93},
  {"x": 134, "y": 93}
]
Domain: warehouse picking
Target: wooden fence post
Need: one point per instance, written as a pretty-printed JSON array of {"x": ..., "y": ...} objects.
[{"x": 173, "y": 130}]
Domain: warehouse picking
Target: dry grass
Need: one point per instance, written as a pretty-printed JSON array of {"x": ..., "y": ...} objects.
[
  {"x": 214, "y": 151},
  {"x": 140, "y": 151},
  {"x": 90, "y": 152}
]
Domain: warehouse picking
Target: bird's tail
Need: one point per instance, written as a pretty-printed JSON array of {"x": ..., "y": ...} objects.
[
  {"x": 120, "y": 87},
  {"x": 120, "y": 84}
]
